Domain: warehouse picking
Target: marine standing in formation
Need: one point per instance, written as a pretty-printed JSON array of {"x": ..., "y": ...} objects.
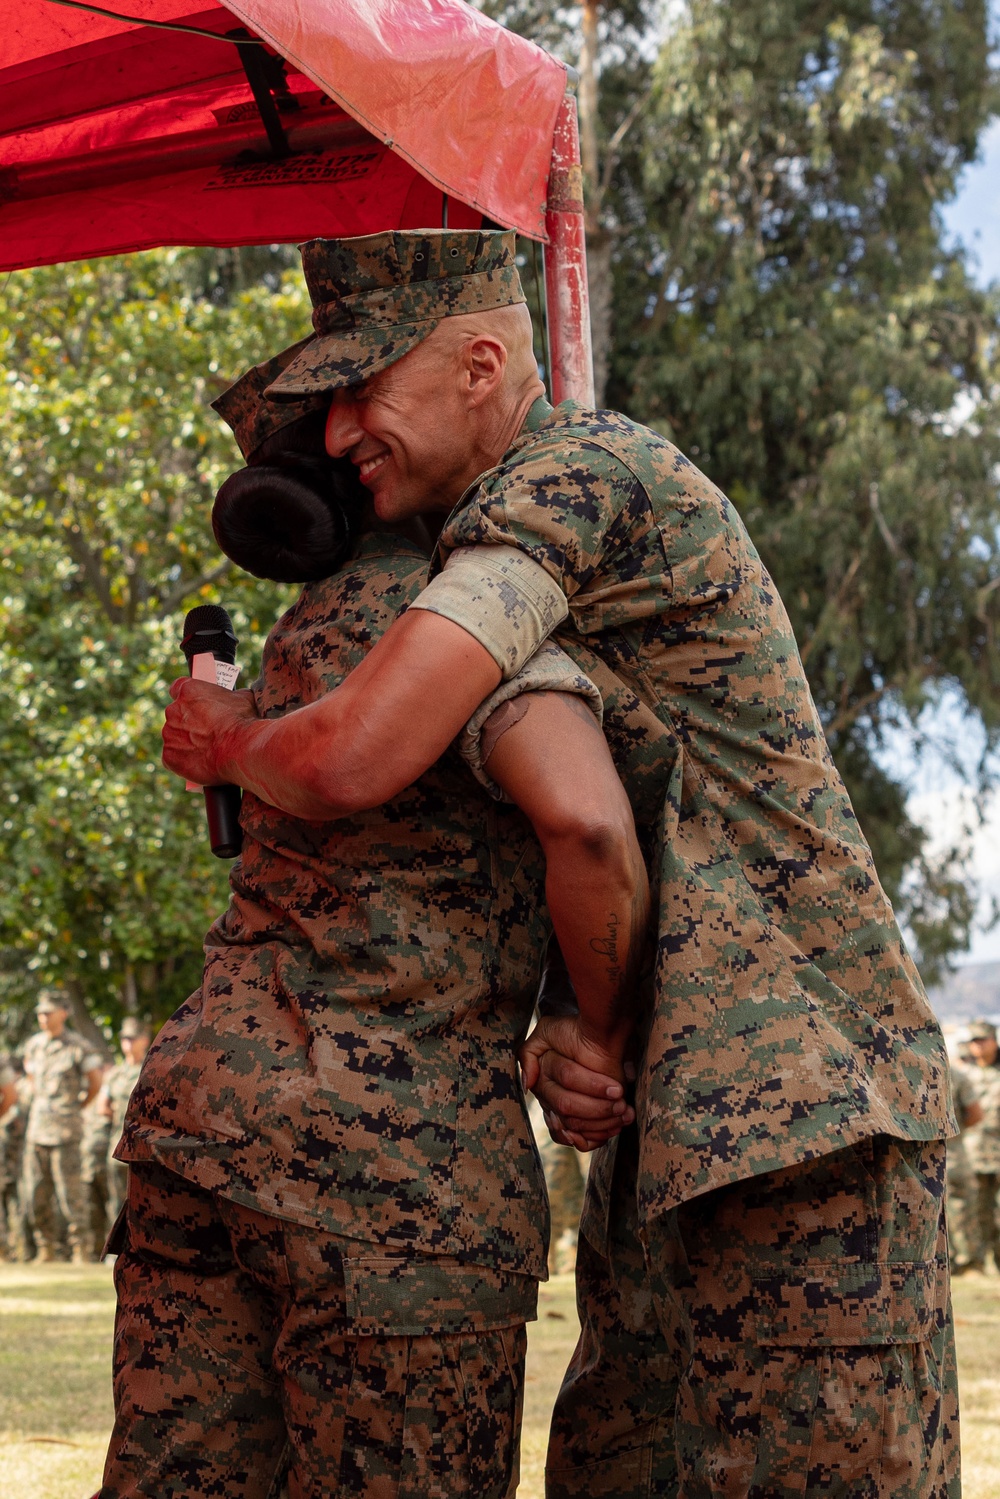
[
  {"x": 13, "y": 1226},
  {"x": 763, "y": 1276},
  {"x": 962, "y": 1188},
  {"x": 94, "y": 1142},
  {"x": 112, "y": 1101},
  {"x": 63, "y": 1074},
  {"x": 983, "y": 1142}
]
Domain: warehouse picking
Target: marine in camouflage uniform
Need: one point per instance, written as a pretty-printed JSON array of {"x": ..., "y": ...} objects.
[
  {"x": 94, "y": 1142},
  {"x": 983, "y": 1142},
  {"x": 766, "y": 1265},
  {"x": 14, "y": 1223},
  {"x": 113, "y": 1102},
  {"x": 335, "y": 1222},
  {"x": 964, "y": 1239},
  {"x": 10, "y": 1154},
  {"x": 64, "y": 1073}
]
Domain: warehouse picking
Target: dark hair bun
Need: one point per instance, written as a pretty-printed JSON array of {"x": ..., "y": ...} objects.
[{"x": 293, "y": 524}]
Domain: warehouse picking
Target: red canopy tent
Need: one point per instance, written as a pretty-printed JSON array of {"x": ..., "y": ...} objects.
[{"x": 258, "y": 121}]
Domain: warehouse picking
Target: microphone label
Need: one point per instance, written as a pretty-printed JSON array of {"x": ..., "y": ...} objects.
[{"x": 205, "y": 668}]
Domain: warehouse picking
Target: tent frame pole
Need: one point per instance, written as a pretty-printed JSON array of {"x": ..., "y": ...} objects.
[{"x": 567, "y": 298}]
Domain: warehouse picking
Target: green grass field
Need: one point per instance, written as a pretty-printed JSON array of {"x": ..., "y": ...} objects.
[{"x": 55, "y": 1395}]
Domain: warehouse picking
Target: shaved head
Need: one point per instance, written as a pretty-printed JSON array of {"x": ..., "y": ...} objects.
[{"x": 511, "y": 326}]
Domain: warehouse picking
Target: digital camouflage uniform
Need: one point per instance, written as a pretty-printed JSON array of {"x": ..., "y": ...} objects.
[
  {"x": 982, "y": 1144},
  {"x": 789, "y": 1022},
  {"x": 793, "y": 1098},
  {"x": 964, "y": 1239},
  {"x": 11, "y": 1142},
  {"x": 57, "y": 1068},
  {"x": 118, "y": 1087},
  {"x": 94, "y": 1142},
  {"x": 336, "y": 1220},
  {"x": 14, "y": 1220}
]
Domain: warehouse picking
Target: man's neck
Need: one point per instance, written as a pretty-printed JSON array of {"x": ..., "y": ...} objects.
[
  {"x": 519, "y": 414},
  {"x": 498, "y": 431}
]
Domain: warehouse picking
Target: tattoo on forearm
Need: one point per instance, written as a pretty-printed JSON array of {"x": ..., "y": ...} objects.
[{"x": 607, "y": 947}]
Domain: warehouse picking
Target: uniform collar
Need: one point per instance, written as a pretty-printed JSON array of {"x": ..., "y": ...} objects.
[{"x": 538, "y": 412}]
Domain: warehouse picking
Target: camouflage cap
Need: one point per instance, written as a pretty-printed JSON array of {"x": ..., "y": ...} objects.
[
  {"x": 252, "y": 417},
  {"x": 376, "y": 297},
  {"x": 52, "y": 999},
  {"x": 982, "y": 1030},
  {"x": 131, "y": 1028}
]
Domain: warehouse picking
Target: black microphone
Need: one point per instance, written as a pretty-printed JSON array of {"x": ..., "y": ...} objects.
[{"x": 208, "y": 632}]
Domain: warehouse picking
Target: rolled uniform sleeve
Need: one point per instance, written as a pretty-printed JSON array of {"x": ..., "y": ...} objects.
[
  {"x": 562, "y": 506},
  {"x": 549, "y": 670},
  {"x": 501, "y": 597}
]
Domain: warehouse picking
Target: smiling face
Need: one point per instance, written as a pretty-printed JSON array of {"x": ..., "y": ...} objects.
[
  {"x": 424, "y": 429},
  {"x": 408, "y": 431}
]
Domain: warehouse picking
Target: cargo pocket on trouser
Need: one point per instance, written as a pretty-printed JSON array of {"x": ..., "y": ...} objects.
[
  {"x": 432, "y": 1417},
  {"x": 850, "y": 1380},
  {"x": 413, "y": 1387}
]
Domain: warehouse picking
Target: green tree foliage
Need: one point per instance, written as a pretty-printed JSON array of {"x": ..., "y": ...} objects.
[
  {"x": 801, "y": 331},
  {"x": 786, "y": 311},
  {"x": 111, "y": 461}
]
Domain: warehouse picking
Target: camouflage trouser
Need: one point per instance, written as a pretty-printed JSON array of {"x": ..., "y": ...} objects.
[
  {"x": 15, "y": 1231},
  {"x": 787, "y": 1336},
  {"x": 238, "y": 1368},
  {"x": 117, "y": 1186},
  {"x": 95, "y": 1186},
  {"x": 988, "y": 1214},
  {"x": 53, "y": 1190},
  {"x": 962, "y": 1197}
]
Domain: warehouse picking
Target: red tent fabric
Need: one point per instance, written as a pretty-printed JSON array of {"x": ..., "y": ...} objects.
[{"x": 115, "y": 136}]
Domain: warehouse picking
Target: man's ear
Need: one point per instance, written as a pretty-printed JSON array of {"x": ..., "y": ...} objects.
[{"x": 485, "y": 360}]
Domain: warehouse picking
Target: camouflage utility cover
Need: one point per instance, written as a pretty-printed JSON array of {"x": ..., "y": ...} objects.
[
  {"x": 348, "y": 1062},
  {"x": 58, "y": 1068},
  {"x": 789, "y": 1018},
  {"x": 252, "y": 418},
  {"x": 376, "y": 297}
]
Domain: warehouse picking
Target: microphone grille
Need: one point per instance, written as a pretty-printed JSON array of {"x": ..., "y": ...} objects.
[{"x": 208, "y": 629}]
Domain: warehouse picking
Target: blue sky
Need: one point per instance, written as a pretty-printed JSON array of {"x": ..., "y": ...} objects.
[
  {"x": 974, "y": 216},
  {"x": 938, "y": 798}
]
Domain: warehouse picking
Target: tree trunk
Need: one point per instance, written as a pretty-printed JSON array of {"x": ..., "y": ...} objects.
[
  {"x": 587, "y": 97},
  {"x": 130, "y": 999},
  {"x": 599, "y": 278},
  {"x": 598, "y": 238},
  {"x": 83, "y": 1022}
]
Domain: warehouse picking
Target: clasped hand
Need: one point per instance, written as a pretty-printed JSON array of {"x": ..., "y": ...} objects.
[
  {"x": 200, "y": 725},
  {"x": 579, "y": 1083}
]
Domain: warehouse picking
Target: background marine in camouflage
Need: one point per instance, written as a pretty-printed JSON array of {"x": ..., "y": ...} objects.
[
  {"x": 982, "y": 1142},
  {"x": 964, "y": 1240},
  {"x": 64, "y": 1075},
  {"x": 112, "y": 1102}
]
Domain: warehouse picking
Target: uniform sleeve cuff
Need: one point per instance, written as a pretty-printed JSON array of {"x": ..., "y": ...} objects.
[
  {"x": 504, "y": 599},
  {"x": 549, "y": 670}
]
